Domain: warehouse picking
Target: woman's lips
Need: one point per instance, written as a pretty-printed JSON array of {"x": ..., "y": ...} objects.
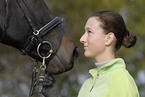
[{"x": 85, "y": 47}]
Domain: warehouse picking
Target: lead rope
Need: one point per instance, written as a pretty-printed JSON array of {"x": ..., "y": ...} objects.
[
  {"x": 34, "y": 78},
  {"x": 41, "y": 78}
]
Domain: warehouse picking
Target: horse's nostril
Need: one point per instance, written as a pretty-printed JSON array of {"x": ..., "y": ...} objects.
[{"x": 75, "y": 53}]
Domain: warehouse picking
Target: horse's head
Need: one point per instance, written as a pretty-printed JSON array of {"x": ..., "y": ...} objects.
[{"x": 18, "y": 21}]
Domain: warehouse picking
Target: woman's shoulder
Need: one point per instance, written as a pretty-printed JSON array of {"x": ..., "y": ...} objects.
[
  {"x": 120, "y": 74},
  {"x": 122, "y": 82},
  {"x": 121, "y": 77}
]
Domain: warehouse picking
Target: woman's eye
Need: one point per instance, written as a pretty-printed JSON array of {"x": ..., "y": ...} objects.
[{"x": 89, "y": 31}]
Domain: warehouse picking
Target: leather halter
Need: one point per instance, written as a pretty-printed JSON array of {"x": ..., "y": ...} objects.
[
  {"x": 37, "y": 34},
  {"x": 36, "y": 38}
]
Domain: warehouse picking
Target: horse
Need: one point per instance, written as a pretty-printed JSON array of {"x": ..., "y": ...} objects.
[{"x": 30, "y": 27}]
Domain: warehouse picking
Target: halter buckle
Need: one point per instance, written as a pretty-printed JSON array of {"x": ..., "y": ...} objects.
[{"x": 36, "y": 32}]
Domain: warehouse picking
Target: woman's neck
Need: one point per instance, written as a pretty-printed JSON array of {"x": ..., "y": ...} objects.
[{"x": 105, "y": 57}]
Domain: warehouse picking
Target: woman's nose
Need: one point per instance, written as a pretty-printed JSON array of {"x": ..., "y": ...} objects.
[{"x": 83, "y": 38}]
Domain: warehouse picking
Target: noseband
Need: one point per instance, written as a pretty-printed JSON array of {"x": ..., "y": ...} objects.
[{"x": 36, "y": 38}]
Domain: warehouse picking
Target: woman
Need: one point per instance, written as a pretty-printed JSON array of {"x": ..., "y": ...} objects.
[{"x": 105, "y": 33}]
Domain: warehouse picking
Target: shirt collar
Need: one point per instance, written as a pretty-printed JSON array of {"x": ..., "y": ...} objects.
[
  {"x": 111, "y": 65},
  {"x": 114, "y": 64},
  {"x": 99, "y": 65}
]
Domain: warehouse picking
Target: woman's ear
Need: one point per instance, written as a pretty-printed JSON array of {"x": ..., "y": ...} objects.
[{"x": 110, "y": 37}]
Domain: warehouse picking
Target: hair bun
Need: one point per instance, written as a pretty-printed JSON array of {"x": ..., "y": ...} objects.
[{"x": 129, "y": 40}]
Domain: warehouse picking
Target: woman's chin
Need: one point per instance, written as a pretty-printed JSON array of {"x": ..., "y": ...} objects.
[{"x": 87, "y": 55}]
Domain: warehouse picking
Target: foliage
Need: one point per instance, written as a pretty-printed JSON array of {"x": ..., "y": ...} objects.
[{"x": 15, "y": 69}]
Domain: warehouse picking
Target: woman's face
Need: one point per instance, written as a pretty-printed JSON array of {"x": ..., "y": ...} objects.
[{"x": 93, "y": 38}]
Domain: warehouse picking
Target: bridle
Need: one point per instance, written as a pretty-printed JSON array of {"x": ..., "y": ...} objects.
[
  {"x": 36, "y": 39},
  {"x": 37, "y": 34}
]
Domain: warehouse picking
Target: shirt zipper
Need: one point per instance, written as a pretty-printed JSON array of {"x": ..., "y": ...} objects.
[{"x": 91, "y": 88}]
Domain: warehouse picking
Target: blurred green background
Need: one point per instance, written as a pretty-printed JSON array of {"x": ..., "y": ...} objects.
[{"x": 15, "y": 69}]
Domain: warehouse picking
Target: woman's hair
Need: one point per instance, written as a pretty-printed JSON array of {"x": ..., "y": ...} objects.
[{"x": 113, "y": 22}]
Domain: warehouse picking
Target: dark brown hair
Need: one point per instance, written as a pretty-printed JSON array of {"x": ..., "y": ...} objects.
[{"x": 113, "y": 22}]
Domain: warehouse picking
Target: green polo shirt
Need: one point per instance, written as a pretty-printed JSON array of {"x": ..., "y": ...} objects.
[{"x": 113, "y": 80}]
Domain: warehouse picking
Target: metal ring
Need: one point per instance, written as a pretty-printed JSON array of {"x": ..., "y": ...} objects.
[
  {"x": 43, "y": 42},
  {"x": 36, "y": 33}
]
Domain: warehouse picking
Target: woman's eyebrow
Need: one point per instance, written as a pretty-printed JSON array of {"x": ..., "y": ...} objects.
[{"x": 88, "y": 28}]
